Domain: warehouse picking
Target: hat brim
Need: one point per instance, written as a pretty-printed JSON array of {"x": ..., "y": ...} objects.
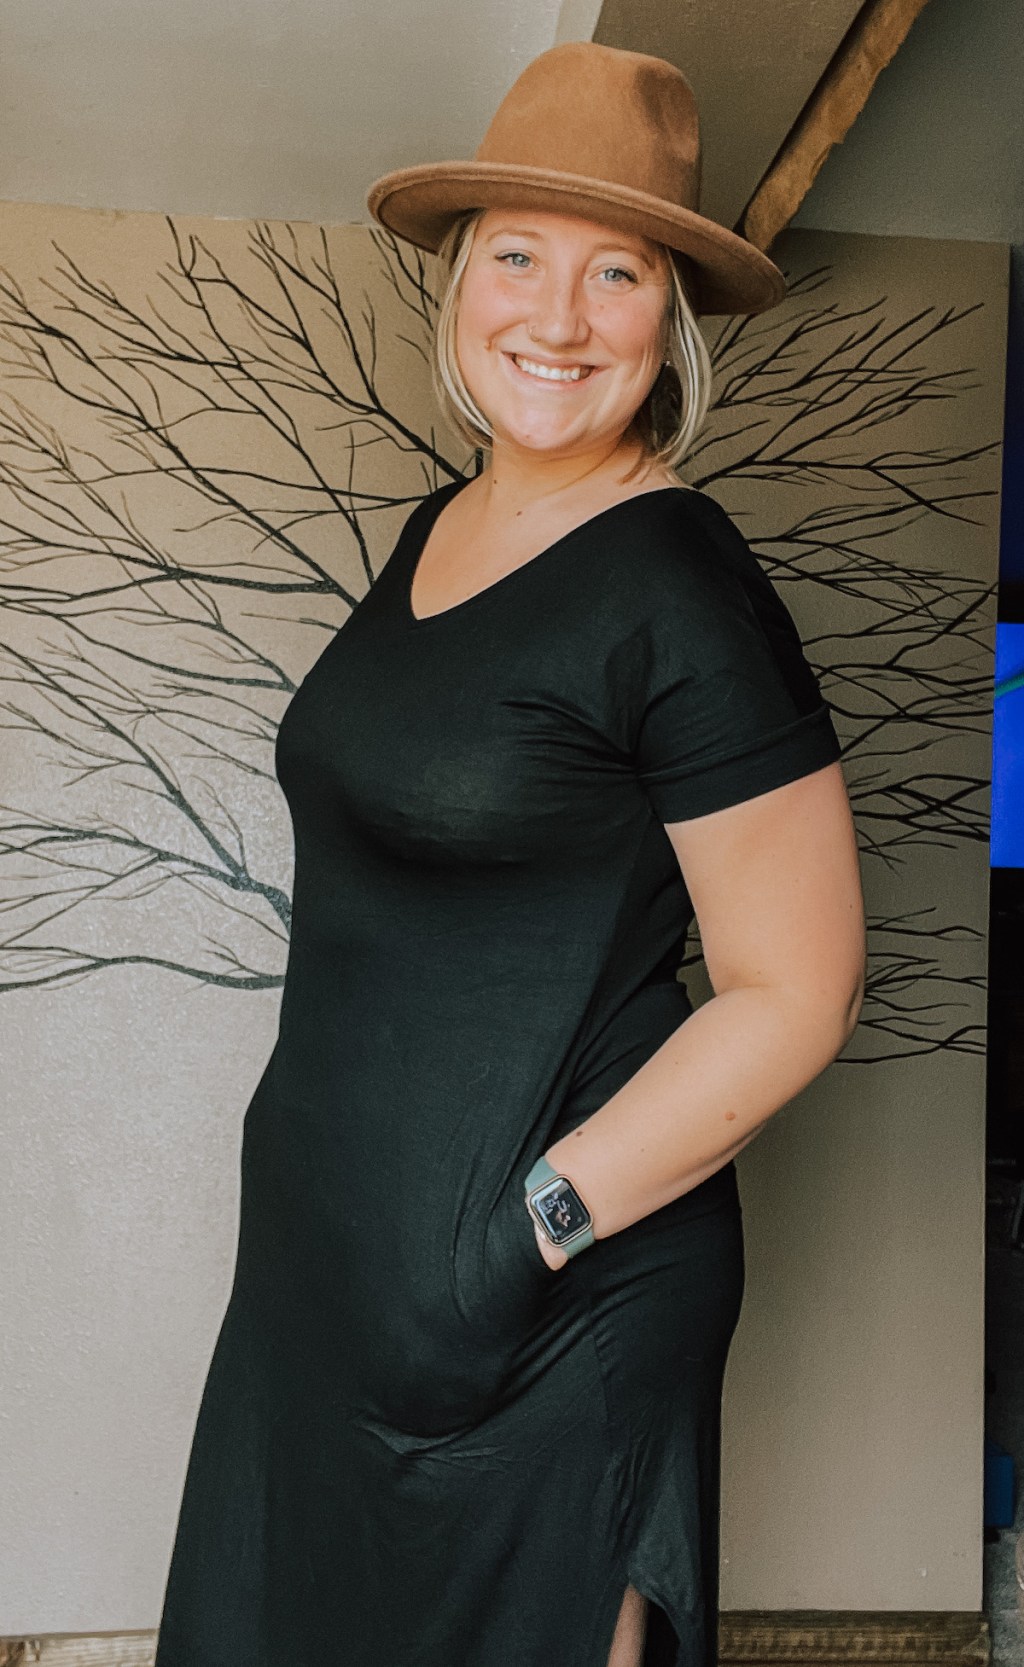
[{"x": 420, "y": 203}]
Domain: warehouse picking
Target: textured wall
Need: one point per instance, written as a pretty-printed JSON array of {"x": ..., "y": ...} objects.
[
  {"x": 209, "y": 434},
  {"x": 870, "y": 489}
]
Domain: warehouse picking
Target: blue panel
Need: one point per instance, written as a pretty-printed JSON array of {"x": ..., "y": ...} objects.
[
  {"x": 1008, "y": 749},
  {"x": 1000, "y": 1486}
]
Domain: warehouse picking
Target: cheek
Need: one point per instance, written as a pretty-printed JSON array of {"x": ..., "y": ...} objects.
[
  {"x": 641, "y": 345},
  {"x": 634, "y": 333},
  {"x": 482, "y": 313}
]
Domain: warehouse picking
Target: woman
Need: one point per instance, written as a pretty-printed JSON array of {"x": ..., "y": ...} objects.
[{"x": 570, "y": 712}]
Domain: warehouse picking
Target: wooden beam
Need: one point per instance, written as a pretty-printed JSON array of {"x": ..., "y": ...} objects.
[{"x": 871, "y": 42}]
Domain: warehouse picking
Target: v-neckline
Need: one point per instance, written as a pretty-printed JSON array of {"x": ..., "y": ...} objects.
[{"x": 419, "y": 621}]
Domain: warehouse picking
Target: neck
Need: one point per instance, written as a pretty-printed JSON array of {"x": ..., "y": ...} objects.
[{"x": 513, "y": 479}]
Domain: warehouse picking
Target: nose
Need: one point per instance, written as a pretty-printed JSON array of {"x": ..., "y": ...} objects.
[{"x": 557, "y": 319}]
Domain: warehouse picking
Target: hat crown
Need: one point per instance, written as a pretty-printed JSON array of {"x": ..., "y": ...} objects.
[{"x": 603, "y": 113}]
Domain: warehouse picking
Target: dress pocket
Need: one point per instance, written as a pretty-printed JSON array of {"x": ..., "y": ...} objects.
[{"x": 501, "y": 1278}]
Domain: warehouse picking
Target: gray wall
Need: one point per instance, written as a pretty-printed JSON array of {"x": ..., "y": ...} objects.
[
  {"x": 247, "y": 107},
  {"x": 261, "y": 109},
  {"x": 938, "y": 150}
]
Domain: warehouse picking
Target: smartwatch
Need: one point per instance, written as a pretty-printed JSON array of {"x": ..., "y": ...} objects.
[{"x": 558, "y": 1208}]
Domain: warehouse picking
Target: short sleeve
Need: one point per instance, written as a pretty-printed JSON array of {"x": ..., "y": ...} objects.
[{"x": 731, "y": 707}]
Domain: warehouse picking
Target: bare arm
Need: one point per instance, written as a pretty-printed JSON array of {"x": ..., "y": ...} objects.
[{"x": 775, "y": 884}]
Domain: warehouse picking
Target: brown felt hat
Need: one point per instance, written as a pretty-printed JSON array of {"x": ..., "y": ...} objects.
[{"x": 600, "y": 132}]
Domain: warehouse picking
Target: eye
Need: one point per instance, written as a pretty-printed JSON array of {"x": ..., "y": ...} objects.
[{"x": 516, "y": 255}]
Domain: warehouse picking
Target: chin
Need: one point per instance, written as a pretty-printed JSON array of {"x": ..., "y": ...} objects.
[{"x": 538, "y": 432}]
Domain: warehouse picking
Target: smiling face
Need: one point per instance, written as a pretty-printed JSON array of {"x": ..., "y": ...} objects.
[{"x": 561, "y": 329}]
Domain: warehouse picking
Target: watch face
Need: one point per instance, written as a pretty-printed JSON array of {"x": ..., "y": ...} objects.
[{"x": 561, "y": 1210}]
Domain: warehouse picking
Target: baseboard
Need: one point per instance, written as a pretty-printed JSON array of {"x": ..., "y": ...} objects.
[
  {"x": 883, "y": 1638},
  {"x": 80, "y": 1649},
  {"x": 775, "y": 1637}
]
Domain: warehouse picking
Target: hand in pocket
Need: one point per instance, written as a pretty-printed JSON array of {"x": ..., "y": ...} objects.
[{"x": 515, "y": 1274}]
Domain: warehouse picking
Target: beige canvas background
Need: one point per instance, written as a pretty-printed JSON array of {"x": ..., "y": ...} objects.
[{"x": 210, "y": 433}]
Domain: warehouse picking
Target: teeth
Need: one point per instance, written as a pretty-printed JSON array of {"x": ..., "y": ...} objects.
[{"x": 553, "y": 373}]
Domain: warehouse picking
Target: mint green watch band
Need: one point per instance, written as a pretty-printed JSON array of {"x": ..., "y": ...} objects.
[{"x": 541, "y": 1175}]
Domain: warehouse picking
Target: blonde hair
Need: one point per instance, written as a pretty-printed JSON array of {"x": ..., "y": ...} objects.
[{"x": 667, "y": 421}]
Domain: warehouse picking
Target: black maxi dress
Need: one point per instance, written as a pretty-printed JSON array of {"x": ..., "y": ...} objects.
[{"x": 418, "y": 1445}]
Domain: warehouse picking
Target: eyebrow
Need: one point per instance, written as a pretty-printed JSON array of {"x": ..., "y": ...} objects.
[{"x": 602, "y": 248}]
